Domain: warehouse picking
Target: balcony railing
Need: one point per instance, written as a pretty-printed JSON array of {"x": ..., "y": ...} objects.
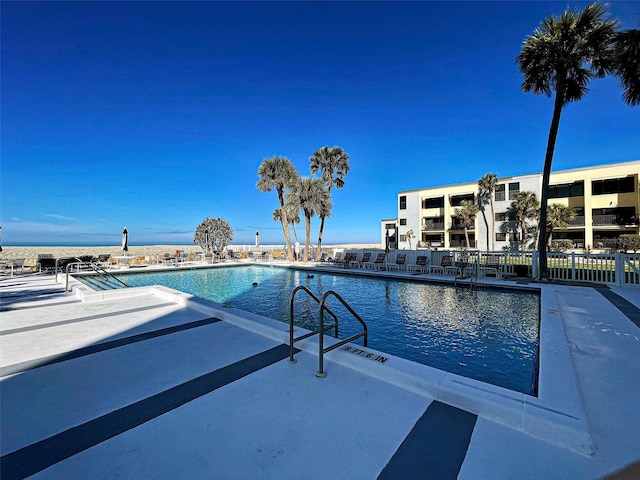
[
  {"x": 576, "y": 222},
  {"x": 614, "y": 220},
  {"x": 459, "y": 226},
  {"x": 433, "y": 226},
  {"x": 462, "y": 243}
]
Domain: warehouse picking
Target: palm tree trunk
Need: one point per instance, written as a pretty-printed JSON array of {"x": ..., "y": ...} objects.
[
  {"x": 523, "y": 232},
  {"x": 319, "y": 248},
  {"x": 466, "y": 236},
  {"x": 486, "y": 224},
  {"x": 307, "y": 241},
  {"x": 546, "y": 174},
  {"x": 285, "y": 226},
  {"x": 493, "y": 225}
]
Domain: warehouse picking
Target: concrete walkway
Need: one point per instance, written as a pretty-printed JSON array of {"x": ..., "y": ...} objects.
[{"x": 152, "y": 383}]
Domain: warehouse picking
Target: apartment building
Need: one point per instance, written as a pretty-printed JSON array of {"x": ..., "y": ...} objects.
[{"x": 605, "y": 199}]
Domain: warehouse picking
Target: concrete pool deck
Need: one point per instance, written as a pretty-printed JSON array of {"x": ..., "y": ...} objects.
[{"x": 153, "y": 383}]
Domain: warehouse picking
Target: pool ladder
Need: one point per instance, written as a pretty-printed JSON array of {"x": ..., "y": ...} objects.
[{"x": 322, "y": 328}]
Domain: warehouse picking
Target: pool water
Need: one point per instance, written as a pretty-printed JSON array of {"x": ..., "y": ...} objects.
[{"x": 490, "y": 335}]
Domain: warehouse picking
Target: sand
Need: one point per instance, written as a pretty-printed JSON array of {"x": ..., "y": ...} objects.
[{"x": 146, "y": 253}]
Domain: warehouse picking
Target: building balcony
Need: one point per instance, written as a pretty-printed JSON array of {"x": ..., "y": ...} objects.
[
  {"x": 462, "y": 243},
  {"x": 458, "y": 226},
  {"x": 613, "y": 221},
  {"x": 430, "y": 227},
  {"x": 576, "y": 222}
]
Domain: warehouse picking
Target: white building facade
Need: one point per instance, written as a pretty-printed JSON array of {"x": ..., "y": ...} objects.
[{"x": 604, "y": 198}]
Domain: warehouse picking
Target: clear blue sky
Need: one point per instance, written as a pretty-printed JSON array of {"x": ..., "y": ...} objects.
[{"x": 156, "y": 115}]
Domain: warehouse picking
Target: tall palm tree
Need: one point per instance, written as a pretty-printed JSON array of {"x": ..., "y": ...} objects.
[
  {"x": 466, "y": 214},
  {"x": 280, "y": 174},
  {"x": 524, "y": 206},
  {"x": 487, "y": 187},
  {"x": 310, "y": 196},
  {"x": 562, "y": 56},
  {"x": 627, "y": 67},
  {"x": 558, "y": 216},
  {"x": 333, "y": 163}
]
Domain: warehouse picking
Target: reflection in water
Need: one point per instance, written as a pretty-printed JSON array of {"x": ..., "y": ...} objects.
[{"x": 489, "y": 335}]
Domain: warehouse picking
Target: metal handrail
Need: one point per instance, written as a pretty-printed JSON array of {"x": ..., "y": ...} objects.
[
  {"x": 96, "y": 268},
  {"x": 306, "y": 335},
  {"x": 321, "y": 350}
]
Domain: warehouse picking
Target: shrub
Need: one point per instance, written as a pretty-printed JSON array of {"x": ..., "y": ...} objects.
[
  {"x": 561, "y": 245},
  {"x": 630, "y": 242}
]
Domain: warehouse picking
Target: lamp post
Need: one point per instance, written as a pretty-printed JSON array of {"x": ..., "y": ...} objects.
[{"x": 257, "y": 239}]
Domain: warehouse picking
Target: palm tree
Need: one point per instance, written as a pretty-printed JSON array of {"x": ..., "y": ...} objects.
[
  {"x": 558, "y": 216},
  {"x": 333, "y": 163},
  {"x": 627, "y": 67},
  {"x": 487, "y": 188},
  {"x": 562, "y": 56},
  {"x": 293, "y": 217},
  {"x": 524, "y": 206},
  {"x": 310, "y": 196},
  {"x": 279, "y": 173},
  {"x": 466, "y": 214}
]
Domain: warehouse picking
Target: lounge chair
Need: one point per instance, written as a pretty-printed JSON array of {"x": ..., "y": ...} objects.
[
  {"x": 491, "y": 265},
  {"x": 421, "y": 264},
  {"x": 399, "y": 264},
  {"x": 366, "y": 257},
  {"x": 332, "y": 261},
  {"x": 446, "y": 262},
  {"x": 377, "y": 264},
  {"x": 348, "y": 258},
  {"x": 18, "y": 265},
  {"x": 103, "y": 260},
  {"x": 465, "y": 266},
  {"x": 46, "y": 261}
]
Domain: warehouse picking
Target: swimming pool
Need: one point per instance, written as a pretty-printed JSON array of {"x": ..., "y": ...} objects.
[{"x": 490, "y": 335}]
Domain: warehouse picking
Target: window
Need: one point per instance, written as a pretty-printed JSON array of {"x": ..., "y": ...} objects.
[
  {"x": 389, "y": 226},
  {"x": 456, "y": 200},
  {"x": 403, "y": 202},
  {"x": 613, "y": 185},
  {"x": 501, "y": 217},
  {"x": 514, "y": 189},
  {"x": 566, "y": 190},
  {"x": 502, "y": 237},
  {"x": 403, "y": 238},
  {"x": 435, "y": 202},
  {"x": 500, "y": 192},
  {"x": 403, "y": 221}
]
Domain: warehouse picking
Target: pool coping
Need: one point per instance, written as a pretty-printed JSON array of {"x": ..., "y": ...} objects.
[{"x": 556, "y": 415}]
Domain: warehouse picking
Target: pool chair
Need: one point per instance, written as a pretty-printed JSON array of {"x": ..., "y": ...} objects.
[
  {"x": 346, "y": 261},
  {"x": 377, "y": 264},
  {"x": 18, "y": 265},
  {"x": 46, "y": 261},
  {"x": 491, "y": 264},
  {"x": 421, "y": 264},
  {"x": 399, "y": 264},
  {"x": 465, "y": 266},
  {"x": 103, "y": 259},
  {"x": 446, "y": 262},
  {"x": 365, "y": 258}
]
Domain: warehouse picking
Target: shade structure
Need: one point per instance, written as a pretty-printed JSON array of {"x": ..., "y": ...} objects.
[
  {"x": 125, "y": 240},
  {"x": 257, "y": 239}
]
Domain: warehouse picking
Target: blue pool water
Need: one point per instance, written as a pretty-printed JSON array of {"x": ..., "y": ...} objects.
[{"x": 486, "y": 334}]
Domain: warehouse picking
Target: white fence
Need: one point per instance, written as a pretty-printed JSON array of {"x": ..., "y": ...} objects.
[{"x": 620, "y": 269}]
